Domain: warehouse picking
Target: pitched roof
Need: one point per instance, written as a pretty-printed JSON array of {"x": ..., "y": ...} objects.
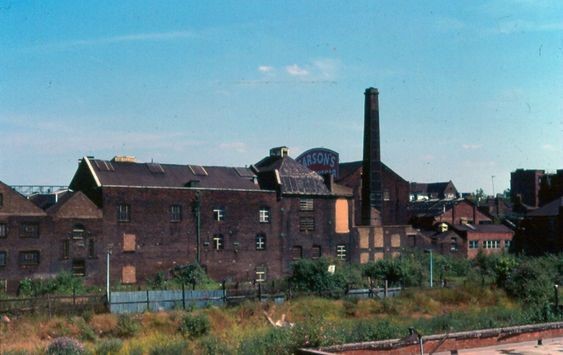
[
  {"x": 75, "y": 205},
  {"x": 550, "y": 209},
  {"x": 112, "y": 173},
  {"x": 346, "y": 169},
  {"x": 430, "y": 188},
  {"x": 294, "y": 177},
  {"x": 14, "y": 203}
]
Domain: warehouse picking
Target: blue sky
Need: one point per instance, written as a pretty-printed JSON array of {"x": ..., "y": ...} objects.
[{"x": 468, "y": 89}]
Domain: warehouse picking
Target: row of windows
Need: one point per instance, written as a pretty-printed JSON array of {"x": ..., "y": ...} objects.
[
  {"x": 27, "y": 230},
  {"x": 24, "y": 258},
  {"x": 219, "y": 242},
  {"x": 488, "y": 244},
  {"x": 297, "y": 252},
  {"x": 124, "y": 213}
]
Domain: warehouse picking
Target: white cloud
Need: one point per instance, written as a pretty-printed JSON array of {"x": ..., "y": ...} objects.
[
  {"x": 238, "y": 147},
  {"x": 471, "y": 146},
  {"x": 135, "y": 37},
  {"x": 327, "y": 67},
  {"x": 265, "y": 69},
  {"x": 549, "y": 147},
  {"x": 296, "y": 70}
]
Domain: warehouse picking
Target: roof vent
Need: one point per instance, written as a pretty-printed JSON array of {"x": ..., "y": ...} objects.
[
  {"x": 124, "y": 159},
  {"x": 279, "y": 152}
]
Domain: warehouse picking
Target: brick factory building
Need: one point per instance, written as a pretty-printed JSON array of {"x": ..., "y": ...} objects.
[{"x": 240, "y": 223}]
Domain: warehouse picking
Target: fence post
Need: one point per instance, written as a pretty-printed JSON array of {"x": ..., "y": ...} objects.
[
  {"x": 183, "y": 296},
  {"x": 148, "y": 302},
  {"x": 49, "y": 305},
  {"x": 260, "y": 292},
  {"x": 223, "y": 286},
  {"x": 386, "y": 289},
  {"x": 288, "y": 289},
  {"x": 73, "y": 296}
]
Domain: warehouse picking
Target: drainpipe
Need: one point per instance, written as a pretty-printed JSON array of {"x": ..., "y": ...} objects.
[{"x": 197, "y": 211}]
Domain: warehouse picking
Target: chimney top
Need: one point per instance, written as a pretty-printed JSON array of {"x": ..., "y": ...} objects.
[
  {"x": 282, "y": 151},
  {"x": 371, "y": 90}
]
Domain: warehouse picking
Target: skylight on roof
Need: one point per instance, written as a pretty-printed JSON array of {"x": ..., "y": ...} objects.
[
  {"x": 244, "y": 172},
  {"x": 198, "y": 170},
  {"x": 103, "y": 165},
  {"x": 155, "y": 168}
]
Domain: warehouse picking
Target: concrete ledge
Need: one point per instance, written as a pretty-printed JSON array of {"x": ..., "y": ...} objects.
[{"x": 447, "y": 341}]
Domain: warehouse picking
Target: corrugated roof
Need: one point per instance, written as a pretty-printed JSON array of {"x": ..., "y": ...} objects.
[{"x": 172, "y": 175}]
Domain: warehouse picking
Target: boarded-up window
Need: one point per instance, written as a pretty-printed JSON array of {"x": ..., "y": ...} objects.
[
  {"x": 296, "y": 252},
  {"x": 306, "y": 224},
  {"x": 128, "y": 275},
  {"x": 395, "y": 241},
  {"x": 129, "y": 242},
  {"x": 341, "y": 217}
]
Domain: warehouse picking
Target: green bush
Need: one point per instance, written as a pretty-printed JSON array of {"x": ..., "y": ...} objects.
[
  {"x": 64, "y": 283},
  {"x": 210, "y": 345},
  {"x": 109, "y": 346},
  {"x": 195, "y": 325},
  {"x": 127, "y": 326},
  {"x": 65, "y": 346},
  {"x": 169, "y": 348},
  {"x": 313, "y": 276}
]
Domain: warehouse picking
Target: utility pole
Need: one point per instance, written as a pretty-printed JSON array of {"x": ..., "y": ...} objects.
[
  {"x": 493, "y": 183},
  {"x": 197, "y": 211},
  {"x": 107, "y": 276}
]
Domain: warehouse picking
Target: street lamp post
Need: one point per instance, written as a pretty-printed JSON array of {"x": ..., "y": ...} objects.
[
  {"x": 107, "y": 276},
  {"x": 430, "y": 252}
]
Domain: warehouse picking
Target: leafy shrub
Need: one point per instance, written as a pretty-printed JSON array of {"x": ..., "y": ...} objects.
[
  {"x": 195, "y": 325},
  {"x": 127, "y": 326},
  {"x": 65, "y": 346},
  {"x": 169, "y": 348},
  {"x": 210, "y": 345},
  {"x": 273, "y": 341},
  {"x": 64, "y": 283},
  {"x": 313, "y": 276},
  {"x": 109, "y": 346}
]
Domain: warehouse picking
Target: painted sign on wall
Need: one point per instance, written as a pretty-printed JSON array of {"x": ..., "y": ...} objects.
[{"x": 320, "y": 160}]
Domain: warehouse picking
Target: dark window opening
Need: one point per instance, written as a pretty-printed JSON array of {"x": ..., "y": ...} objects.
[
  {"x": 78, "y": 267},
  {"x": 297, "y": 252},
  {"x": 316, "y": 252},
  {"x": 218, "y": 242},
  {"x": 123, "y": 213},
  {"x": 91, "y": 249},
  {"x": 66, "y": 249},
  {"x": 175, "y": 213},
  {"x": 29, "y": 230},
  {"x": 306, "y": 224},
  {"x": 78, "y": 231},
  {"x": 260, "y": 242},
  {"x": 3, "y": 258},
  {"x": 264, "y": 215},
  {"x": 29, "y": 257},
  {"x": 341, "y": 251},
  {"x": 3, "y": 230},
  {"x": 219, "y": 214}
]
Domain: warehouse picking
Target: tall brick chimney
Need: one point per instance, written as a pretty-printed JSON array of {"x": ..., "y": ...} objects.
[{"x": 371, "y": 175}]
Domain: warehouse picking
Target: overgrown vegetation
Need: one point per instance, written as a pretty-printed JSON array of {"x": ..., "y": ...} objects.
[{"x": 490, "y": 291}]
